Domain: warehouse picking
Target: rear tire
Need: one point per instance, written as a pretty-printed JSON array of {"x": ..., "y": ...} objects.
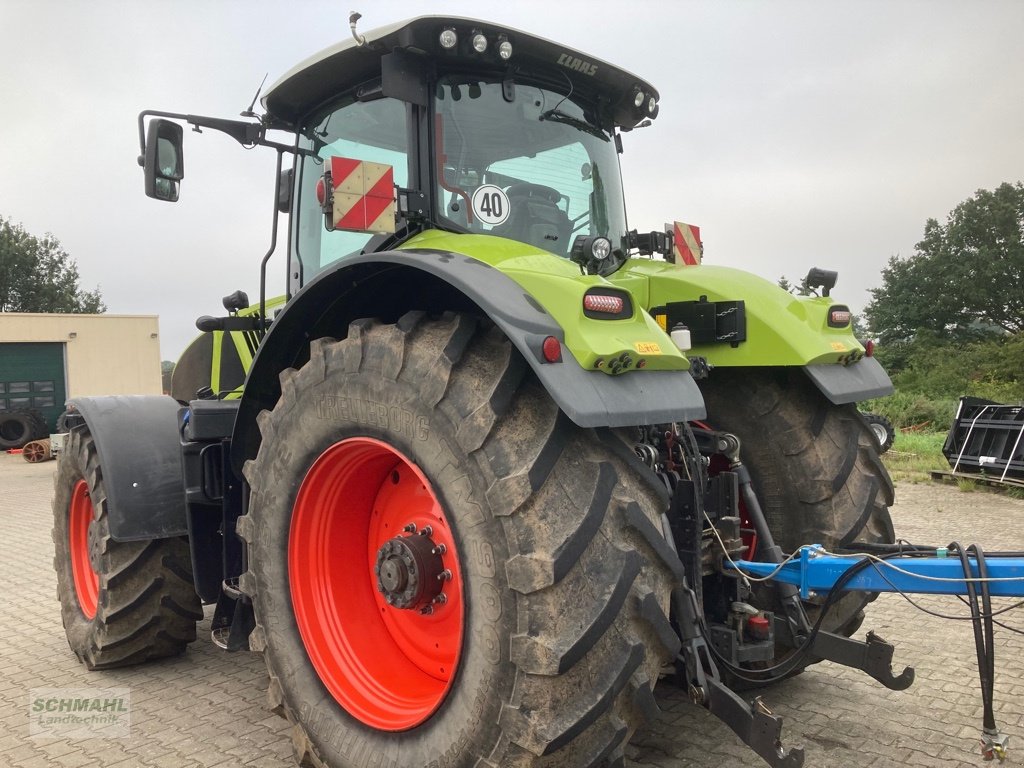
[
  {"x": 815, "y": 469},
  {"x": 121, "y": 602},
  {"x": 561, "y": 600}
]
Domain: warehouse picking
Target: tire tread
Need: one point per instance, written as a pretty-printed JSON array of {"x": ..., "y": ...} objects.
[
  {"x": 570, "y": 503},
  {"x": 147, "y": 607}
]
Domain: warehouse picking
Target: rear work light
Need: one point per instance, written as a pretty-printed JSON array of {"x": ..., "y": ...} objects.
[{"x": 839, "y": 316}]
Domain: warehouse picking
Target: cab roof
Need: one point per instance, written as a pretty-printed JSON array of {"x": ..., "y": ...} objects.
[{"x": 347, "y": 64}]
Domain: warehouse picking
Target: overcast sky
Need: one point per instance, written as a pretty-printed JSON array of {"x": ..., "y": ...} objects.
[{"x": 795, "y": 134}]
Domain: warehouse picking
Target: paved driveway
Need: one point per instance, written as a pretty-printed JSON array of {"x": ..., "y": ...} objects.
[{"x": 207, "y": 708}]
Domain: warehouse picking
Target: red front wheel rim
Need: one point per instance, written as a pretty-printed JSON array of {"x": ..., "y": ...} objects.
[
  {"x": 387, "y": 658},
  {"x": 87, "y": 581}
]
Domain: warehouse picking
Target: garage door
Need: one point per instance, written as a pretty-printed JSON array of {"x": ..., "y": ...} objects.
[{"x": 32, "y": 376}]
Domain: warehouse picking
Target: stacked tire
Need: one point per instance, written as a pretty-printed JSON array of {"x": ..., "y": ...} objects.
[{"x": 21, "y": 426}]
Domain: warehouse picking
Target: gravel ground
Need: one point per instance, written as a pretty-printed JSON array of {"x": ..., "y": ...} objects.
[{"x": 207, "y": 708}]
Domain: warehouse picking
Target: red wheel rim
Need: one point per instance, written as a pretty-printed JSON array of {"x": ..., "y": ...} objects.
[
  {"x": 87, "y": 581},
  {"x": 388, "y": 667}
]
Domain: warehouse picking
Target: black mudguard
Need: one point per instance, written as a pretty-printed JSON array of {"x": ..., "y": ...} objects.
[
  {"x": 843, "y": 384},
  {"x": 140, "y": 455},
  {"x": 431, "y": 280}
]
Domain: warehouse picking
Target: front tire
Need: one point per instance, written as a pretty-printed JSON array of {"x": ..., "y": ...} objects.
[
  {"x": 121, "y": 603},
  {"x": 554, "y": 626}
]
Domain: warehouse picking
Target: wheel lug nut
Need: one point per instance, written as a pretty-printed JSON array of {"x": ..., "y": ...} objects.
[
  {"x": 441, "y": 599},
  {"x": 427, "y": 530},
  {"x": 410, "y": 527},
  {"x": 445, "y": 575},
  {"x": 440, "y": 549},
  {"x": 427, "y": 609}
]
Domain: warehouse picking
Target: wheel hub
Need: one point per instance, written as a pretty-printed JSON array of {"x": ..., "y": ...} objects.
[{"x": 409, "y": 571}]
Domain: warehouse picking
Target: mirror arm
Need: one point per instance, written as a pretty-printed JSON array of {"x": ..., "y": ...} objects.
[{"x": 245, "y": 133}]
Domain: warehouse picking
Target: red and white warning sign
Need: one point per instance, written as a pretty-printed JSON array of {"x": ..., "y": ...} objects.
[
  {"x": 686, "y": 246},
  {"x": 364, "y": 195}
]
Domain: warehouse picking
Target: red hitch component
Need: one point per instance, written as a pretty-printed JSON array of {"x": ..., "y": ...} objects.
[{"x": 758, "y": 628}]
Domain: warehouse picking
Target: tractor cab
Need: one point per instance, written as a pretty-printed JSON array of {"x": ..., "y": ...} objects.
[
  {"x": 482, "y": 129},
  {"x": 452, "y": 124}
]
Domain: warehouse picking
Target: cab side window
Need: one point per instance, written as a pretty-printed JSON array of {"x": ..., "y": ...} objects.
[{"x": 373, "y": 131}]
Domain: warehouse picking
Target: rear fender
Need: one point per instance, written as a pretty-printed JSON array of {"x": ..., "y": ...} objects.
[
  {"x": 852, "y": 383},
  {"x": 781, "y": 329},
  {"x": 386, "y": 285},
  {"x": 139, "y": 451}
]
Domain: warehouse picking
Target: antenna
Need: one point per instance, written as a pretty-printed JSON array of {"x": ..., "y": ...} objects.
[
  {"x": 353, "y": 17},
  {"x": 248, "y": 112}
]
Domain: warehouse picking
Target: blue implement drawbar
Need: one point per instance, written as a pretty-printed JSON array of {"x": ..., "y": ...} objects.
[{"x": 813, "y": 570}]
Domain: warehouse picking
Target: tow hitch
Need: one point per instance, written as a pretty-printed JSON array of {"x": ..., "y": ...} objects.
[
  {"x": 952, "y": 570},
  {"x": 813, "y": 572}
]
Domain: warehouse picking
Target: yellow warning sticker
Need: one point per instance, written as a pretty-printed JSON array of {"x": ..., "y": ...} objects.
[
  {"x": 838, "y": 346},
  {"x": 647, "y": 348}
]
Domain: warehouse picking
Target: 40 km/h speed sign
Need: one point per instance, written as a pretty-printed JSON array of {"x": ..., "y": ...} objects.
[{"x": 490, "y": 204}]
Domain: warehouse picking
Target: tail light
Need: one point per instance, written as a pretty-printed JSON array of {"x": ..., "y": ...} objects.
[
  {"x": 839, "y": 316},
  {"x": 611, "y": 305},
  {"x": 607, "y": 304}
]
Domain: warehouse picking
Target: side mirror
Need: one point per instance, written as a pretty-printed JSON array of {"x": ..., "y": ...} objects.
[{"x": 163, "y": 161}]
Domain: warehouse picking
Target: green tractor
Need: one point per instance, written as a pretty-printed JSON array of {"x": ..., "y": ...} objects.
[{"x": 468, "y": 486}]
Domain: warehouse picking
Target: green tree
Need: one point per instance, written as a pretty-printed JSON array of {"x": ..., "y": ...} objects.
[
  {"x": 798, "y": 288},
  {"x": 38, "y": 275},
  {"x": 964, "y": 278},
  {"x": 860, "y": 328}
]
